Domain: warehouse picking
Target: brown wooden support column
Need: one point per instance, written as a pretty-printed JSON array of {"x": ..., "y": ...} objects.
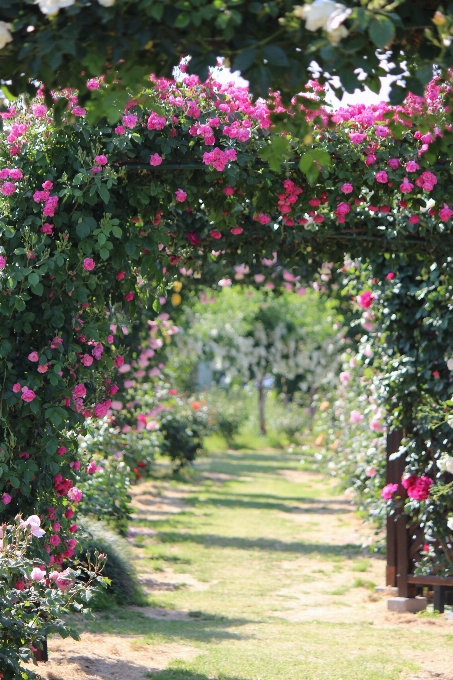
[{"x": 394, "y": 472}]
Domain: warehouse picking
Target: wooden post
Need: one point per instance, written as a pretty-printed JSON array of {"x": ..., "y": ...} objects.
[
  {"x": 42, "y": 654},
  {"x": 394, "y": 472}
]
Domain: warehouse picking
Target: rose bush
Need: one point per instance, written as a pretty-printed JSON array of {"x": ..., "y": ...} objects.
[{"x": 34, "y": 599}]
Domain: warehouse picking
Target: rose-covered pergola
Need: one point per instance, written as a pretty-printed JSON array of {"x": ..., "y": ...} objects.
[{"x": 98, "y": 220}]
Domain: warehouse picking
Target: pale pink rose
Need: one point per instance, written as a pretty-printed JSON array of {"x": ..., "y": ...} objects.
[
  {"x": 87, "y": 360},
  {"x": 16, "y": 387},
  {"x": 345, "y": 377},
  {"x": 33, "y": 356},
  {"x": 117, "y": 405},
  {"x": 355, "y": 417},
  {"x": 152, "y": 425},
  {"x": 37, "y": 574},
  {"x": 375, "y": 425},
  {"x": 75, "y": 494}
]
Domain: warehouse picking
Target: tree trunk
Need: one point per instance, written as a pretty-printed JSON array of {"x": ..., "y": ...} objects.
[{"x": 261, "y": 397}]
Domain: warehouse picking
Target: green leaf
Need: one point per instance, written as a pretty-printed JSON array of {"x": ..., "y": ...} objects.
[
  {"x": 244, "y": 60},
  {"x": 306, "y": 162},
  {"x": 117, "y": 231},
  {"x": 33, "y": 279},
  {"x": 321, "y": 156},
  {"x": 275, "y": 55},
  {"x": 104, "y": 193},
  {"x": 14, "y": 481},
  {"x": 312, "y": 174},
  {"x": 19, "y": 304},
  {"x": 38, "y": 289},
  {"x": 276, "y": 153},
  {"x": 104, "y": 253},
  {"x": 83, "y": 230},
  {"x": 156, "y": 305},
  {"x": 382, "y": 30},
  {"x": 130, "y": 247}
]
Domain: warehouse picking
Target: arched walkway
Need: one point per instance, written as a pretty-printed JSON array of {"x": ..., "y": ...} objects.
[{"x": 255, "y": 569}]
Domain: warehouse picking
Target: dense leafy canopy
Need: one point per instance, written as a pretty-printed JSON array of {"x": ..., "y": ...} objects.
[{"x": 58, "y": 42}]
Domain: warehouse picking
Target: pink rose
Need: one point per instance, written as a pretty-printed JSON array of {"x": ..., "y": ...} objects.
[
  {"x": 2, "y": 262},
  {"x": 393, "y": 163},
  {"x": 355, "y": 417},
  {"x": 181, "y": 196},
  {"x": 345, "y": 377},
  {"x": 88, "y": 264},
  {"x": 33, "y": 356},
  {"x": 129, "y": 296},
  {"x": 412, "y": 166},
  {"x": 382, "y": 177},
  {"x": 118, "y": 361},
  {"x": 120, "y": 130},
  {"x": 86, "y": 360},
  {"x": 155, "y": 159},
  {"x": 16, "y": 387},
  {"x": 61, "y": 450},
  {"x": 236, "y": 231},
  {"x": 365, "y": 299},
  {"x": 347, "y": 188},
  {"x": 28, "y": 395},
  {"x": 388, "y": 491},
  {"x": 215, "y": 233},
  {"x": 120, "y": 276},
  {"x": 445, "y": 213},
  {"x": 75, "y": 494},
  {"x": 406, "y": 186},
  {"x": 101, "y": 160},
  {"x": 390, "y": 276},
  {"x": 6, "y": 498},
  {"x": 79, "y": 391},
  {"x": 92, "y": 467},
  {"x": 63, "y": 580},
  {"x": 54, "y": 540}
]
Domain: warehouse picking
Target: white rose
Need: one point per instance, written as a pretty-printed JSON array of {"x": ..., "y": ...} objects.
[
  {"x": 450, "y": 364},
  {"x": 450, "y": 523},
  {"x": 106, "y": 3},
  {"x": 5, "y": 35},
  {"x": 327, "y": 15},
  {"x": 53, "y": 6}
]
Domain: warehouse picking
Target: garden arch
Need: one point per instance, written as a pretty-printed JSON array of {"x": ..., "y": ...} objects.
[{"x": 82, "y": 245}]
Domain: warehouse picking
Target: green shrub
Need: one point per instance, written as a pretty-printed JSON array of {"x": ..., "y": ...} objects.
[{"x": 124, "y": 587}]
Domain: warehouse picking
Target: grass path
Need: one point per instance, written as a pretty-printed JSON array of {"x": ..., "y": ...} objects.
[{"x": 255, "y": 571}]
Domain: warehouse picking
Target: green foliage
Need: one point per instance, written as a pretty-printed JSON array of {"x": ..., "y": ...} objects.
[
  {"x": 268, "y": 42},
  {"x": 123, "y": 585},
  {"x": 31, "y": 609},
  {"x": 105, "y": 493}
]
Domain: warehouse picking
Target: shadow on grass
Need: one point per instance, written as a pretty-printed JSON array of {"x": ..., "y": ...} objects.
[
  {"x": 319, "y": 506},
  {"x": 198, "y": 626},
  {"x": 298, "y": 547},
  {"x": 180, "y": 674}
]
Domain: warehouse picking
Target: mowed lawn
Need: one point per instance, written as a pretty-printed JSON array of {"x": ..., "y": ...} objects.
[{"x": 265, "y": 574}]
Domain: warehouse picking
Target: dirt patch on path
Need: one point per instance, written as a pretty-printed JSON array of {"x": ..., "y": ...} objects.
[{"x": 109, "y": 657}]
